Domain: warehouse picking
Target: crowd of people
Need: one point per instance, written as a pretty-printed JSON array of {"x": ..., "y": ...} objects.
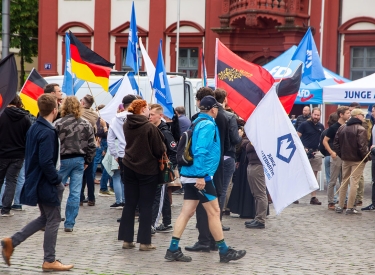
[{"x": 61, "y": 149}]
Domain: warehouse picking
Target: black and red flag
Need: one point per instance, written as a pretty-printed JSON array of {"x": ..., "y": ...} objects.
[
  {"x": 245, "y": 83},
  {"x": 8, "y": 81},
  {"x": 288, "y": 88},
  {"x": 31, "y": 90}
]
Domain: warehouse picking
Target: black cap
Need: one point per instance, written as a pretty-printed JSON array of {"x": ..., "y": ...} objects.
[
  {"x": 208, "y": 102},
  {"x": 128, "y": 99}
]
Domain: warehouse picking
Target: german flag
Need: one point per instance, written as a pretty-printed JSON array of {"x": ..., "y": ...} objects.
[
  {"x": 245, "y": 83},
  {"x": 88, "y": 65},
  {"x": 288, "y": 88},
  {"x": 31, "y": 90},
  {"x": 8, "y": 81}
]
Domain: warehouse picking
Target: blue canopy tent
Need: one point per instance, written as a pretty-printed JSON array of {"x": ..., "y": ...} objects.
[{"x": 308, "y": 94}]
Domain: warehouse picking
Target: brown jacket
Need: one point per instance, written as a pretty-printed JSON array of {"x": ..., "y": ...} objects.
[
  {"x": 144, "y": 145},
  {"x": 251, "y": 155},
  {"x": 350, "y": 142}
]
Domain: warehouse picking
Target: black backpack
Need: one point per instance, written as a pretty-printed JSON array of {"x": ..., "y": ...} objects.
[
  {"x": 321, "y": 147},
  {"x": 184, "y": 155}
]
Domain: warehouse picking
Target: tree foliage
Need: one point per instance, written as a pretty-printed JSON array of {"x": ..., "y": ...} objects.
[{"x": 24, "y": 30}]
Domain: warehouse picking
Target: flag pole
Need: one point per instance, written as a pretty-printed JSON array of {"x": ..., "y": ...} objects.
[
  {"x": 344, "y": 183},
  {"x": 137, "y": 64},
  {"x": 96, "y": 106}
]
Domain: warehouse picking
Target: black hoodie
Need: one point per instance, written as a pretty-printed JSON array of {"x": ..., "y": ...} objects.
[
  {"x": 144, "y": 145},
  {"x": 14, "y": 124},
  {"x": 169, "y": 142}
]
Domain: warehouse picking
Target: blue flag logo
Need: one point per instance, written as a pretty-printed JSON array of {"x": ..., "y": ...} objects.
[
  {"x": 307, "y": 53},
  {"x": 285, "y": 148},
  {"x": 132, "y": 50},
  {"x": 161, "y": 86}
]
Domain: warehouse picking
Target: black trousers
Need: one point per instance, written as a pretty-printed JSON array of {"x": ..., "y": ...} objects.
[
  {"x": 166, "y": 209},
  {"x": 373, "y": 179},
  {"x": 139, "y": 190},
  {"x": 205, "y": 236}
]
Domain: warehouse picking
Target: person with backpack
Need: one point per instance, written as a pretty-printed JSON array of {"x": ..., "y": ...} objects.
[
  {"x": 343, "y": 114},
  {"x": 309, "y": 132},
  {"x": 199, "y": 185}
]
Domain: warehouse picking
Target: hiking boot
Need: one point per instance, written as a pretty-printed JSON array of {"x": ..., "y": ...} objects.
[
  {"x": 331, "y": 206},
  {"x": 315, "y": 201},
  {"x": 371, "y": 207},
  {"x": 17, "y": 207},
  {"x": 116, "y": 206},
  {"x": 232, "y": 255},
  {"x": 127, "y": 245},
  {"x": 176, "y": 256},
  {"x": 7, "y": 249},
  {"x": 147, "y": 247},
  {"x": 105, "y": 193},
  {"x": 56, "y": 266},
  {"x": 352, "y": 211},
  {"x": 164, "y": 228},
  {"x": 338, "y": 209}
]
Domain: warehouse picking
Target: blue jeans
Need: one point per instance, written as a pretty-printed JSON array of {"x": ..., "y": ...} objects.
[
  {"x": 327, "y": 168},
  {"x": 118, "y": 186},
  {"x": 105, "y": 175},
  {"x": 72, "y": 168},
  {"x": 229, "y": 165}
]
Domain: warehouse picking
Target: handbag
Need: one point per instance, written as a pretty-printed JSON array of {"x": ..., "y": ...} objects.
[{"x": 166, "y": 174}]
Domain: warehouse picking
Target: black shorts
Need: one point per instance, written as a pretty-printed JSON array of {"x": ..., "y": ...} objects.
[{"x": 205, "y": 195}]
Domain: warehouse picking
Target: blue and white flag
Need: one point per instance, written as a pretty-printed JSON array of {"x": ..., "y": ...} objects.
[
  {"x": 125, "y": 88},
  {"x": 308, "y": 54},
  {"x": 287, "y": 170},
  {"x": 161, "y": 86},
  {"x": 68, "y": 82},
  {"x": 77, "y": 83},
  {"x": 132, "y": 50},
  {"x": 134, "y": 84},
  {"x": 114, "y": 87}
]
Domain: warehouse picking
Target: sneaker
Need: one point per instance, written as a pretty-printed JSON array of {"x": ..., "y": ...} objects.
[
  {"x": 331, "y": 206},
  {"x": 146, "y": 247},
  {"x": 111, "y": 190},
  {"x": 91, "y": 203},
  {"x": 338, "y": 209},
  {"x": 7, "y": 214},
  {"x": 68, "y": 230},
  {"x": 56, "y": 266},
  {"x": 7, "y": 249},
  {"x": 176, "y": 256},
  {"x": 371, "y": 207},
  {"x": 153, "y": 231},
  {"x": 17, "y": 207},
  {"x": 352, "y": 211},
  {"x": 164, "y": 228},
  {"x": 116, "y": 206},
  {"x": 127, "y": 245},
  {"x": 105, "y": 193},
  {"x": 232, "y": 255},
  {"x": 315, "y": 201}
]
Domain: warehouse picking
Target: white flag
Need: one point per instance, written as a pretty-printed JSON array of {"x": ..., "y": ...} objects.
[
  {"x": 150, "y": 68},
  {"x": 287, "y": 169},
  {"x": 110, "y": 110}
]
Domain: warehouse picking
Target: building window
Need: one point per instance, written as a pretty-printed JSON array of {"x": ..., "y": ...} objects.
[
  {"x": 125, "y": 67},
  {"x": 188, "y": 62},
  {"x": 362, "y": 62}
]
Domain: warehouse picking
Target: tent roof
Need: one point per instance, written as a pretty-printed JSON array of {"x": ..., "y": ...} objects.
[{"x": 362, "y": 83}]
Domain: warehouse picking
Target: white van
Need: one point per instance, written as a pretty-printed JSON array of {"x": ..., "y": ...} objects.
[{"x": 181, "y": 90}]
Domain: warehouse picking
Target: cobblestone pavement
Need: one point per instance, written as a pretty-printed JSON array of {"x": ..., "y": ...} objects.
[{"x": 303, "y": 239}]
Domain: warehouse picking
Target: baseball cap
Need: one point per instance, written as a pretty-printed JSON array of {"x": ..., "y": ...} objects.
[
  {"x": 128, "y": 99},
  {"x": 208, "y": 102},
  {"x": 356, "y": 112}
]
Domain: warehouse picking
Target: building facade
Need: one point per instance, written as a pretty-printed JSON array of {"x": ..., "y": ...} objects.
[{"x": 257, "y": 30}]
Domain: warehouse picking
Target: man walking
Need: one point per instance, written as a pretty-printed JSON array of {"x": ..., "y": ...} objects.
[
  {"x": 199, "y": 186},
  {"x": 42, "y": 185},
  {"x": 14, "y": 124},
  {"x": 343, "y": 114},
  {"x": 350, "y": 144},
  {"x": 309, "y": 132}
]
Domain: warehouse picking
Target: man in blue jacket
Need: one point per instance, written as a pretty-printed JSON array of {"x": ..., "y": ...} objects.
[
  {"x": 199, "y": 186},
  {"x": 42, "y": 185}
]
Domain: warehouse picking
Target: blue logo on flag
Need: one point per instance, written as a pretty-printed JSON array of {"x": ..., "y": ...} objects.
[{"x": 285, "y": 148}]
